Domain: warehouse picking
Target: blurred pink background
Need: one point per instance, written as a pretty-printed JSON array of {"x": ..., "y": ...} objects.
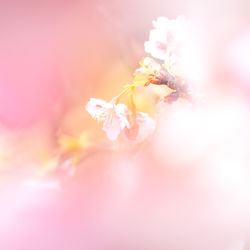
[{"x": 188, "y": 189}]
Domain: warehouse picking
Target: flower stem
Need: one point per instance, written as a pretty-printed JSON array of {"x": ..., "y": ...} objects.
[{"x": 117, "y": 98}]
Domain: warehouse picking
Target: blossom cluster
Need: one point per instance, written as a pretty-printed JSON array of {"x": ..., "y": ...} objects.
[{"x": 165, "y": 44}]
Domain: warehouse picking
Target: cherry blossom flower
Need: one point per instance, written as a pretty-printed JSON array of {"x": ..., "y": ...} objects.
[
  {"x": 117, "y": 120},
  {"x": 113, "y": 115},
  {"x": 165, "y": 36},
  {"x": 152, "y": 72},
  {"x": 142, "y": 128},
  {"x": 145, "y": 74},
  {"x": 98, "y": 108}
]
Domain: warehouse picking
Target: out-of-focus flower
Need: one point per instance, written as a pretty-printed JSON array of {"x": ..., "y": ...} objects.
[
  {"x": 145, "y": 74},
  {"x": 237, "y": 245},
  {"x": 165, "y": 36},
  {"x": 142, "y": 128},
  {"x": 237, "y": 58},
  {"x": 68, "y": 167},
  {"x": 74, "y": 146},
  {"x": 68, "y": 143},
  {"x": 174, "y": 63},
  {"x": 113, "y": 115},
  {"x": 38, "y": 185},
  {"x": 48, "y": 166},
  {"x": 167, "y": 41}
]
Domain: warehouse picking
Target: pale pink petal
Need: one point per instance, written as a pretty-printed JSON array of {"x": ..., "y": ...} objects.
[
  {"x": 153, "y": 49},
  {"x": 122, "y": 111},
  {"x": 161, "y": 22},
  {"x": 166, "y": 33},
  {"x": 158, "y": 36},
  {"x": 144, "y": 128},
  {"x": 112, "y": 126},
  {"x": 114, "y": 116},
  {"x": 97, "y": 107}
]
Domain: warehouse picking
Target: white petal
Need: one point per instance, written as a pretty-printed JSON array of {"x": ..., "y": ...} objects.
[
  {"x": 112, "y": 127},
  {"x": 152, "y": 48},
  {"x": 157, "y": 35},
  {"x": 146, "y": 128},
  {"x": 95, "y": 107}
]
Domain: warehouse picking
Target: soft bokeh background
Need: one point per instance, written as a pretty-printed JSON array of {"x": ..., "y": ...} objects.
[{"x": 188, "y": 189}]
